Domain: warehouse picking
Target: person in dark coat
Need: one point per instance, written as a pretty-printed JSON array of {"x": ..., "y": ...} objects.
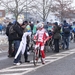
[
  {"x": 10, "y": 40},
  {"x": 25, "y": 25},
  {"x": 17, "y": 39},
  {"x": 56, "y": 36},
  {"x": 31, "y": 25}
]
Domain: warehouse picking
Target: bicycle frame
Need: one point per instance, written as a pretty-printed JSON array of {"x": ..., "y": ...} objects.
[{"x": 36, "y": 55}]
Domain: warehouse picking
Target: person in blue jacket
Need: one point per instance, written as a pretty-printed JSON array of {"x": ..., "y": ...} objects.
[{"x": 66, "y": 34}]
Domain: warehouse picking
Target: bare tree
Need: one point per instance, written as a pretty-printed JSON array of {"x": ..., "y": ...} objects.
[
  {"x": 16, "y": 6},
  {"x": 43, "y": 8},
  {"x": 63, "y": 8}
]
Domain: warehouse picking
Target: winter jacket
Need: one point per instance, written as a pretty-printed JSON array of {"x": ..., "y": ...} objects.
[
  {"x": 18, "y": 31},
  {"x": 56, "y": 32},
  {"x": 65, "y": 25},
  {"x": 7, "y": 32}
]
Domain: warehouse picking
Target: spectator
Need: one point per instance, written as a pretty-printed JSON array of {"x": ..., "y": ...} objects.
[
  {"x": 24, "y": 44},
  {"x": 18, "y": 36},
  {"x": 56, "y": 36},
  {"x": 31, "y": 25},
  {"x": 35, "y": 28},
  {"x": 25, "y": 23},
  {"x": 10, "y": 40},
  {"x": 46, "y": 26},
  {"x": 73, "y": 31},
  {"x": 50, "y": 29},
  {"x": 71, "y": 35},
  {"x": 1, "y": 28},
  {"x": 26, "y": 29},
  {"x": 66, "y": 34}
]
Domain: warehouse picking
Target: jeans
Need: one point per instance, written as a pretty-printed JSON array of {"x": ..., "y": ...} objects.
[
  {"x": 56, "y": 44},
  {"x": 16, "y": 44},
  {"x": 65, "y": 42}
]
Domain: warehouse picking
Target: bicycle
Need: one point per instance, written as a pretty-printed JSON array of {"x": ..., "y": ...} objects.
[
  {"x": 50, "y": 44},
  {"x": 37, "y": 55}
]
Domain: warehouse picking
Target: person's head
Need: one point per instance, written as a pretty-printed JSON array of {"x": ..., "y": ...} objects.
[
  {"x": 55, "y": 24},
  {"x": 64, "y": 21},
  {"x": 25, "y": 22},
  {"x": 9, "y": 19},
  {"x": 37, "y": 22},
  {"x": 47, "y": 23},
  {"x": 20, "y": 19},
  {"x": 29, "y": 22},
  {"x": 40, "y": 25}
]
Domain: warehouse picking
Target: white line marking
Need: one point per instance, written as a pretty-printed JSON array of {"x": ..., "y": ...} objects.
[
  {"x": 50, "y": 61},
  {"x": 54, "y": 56},
  {"x": 18, "y": 69},
  {"x": 3, "y": 51},
  {"x": 10, "y": 74},
  {"x": 3, "y": 58}
]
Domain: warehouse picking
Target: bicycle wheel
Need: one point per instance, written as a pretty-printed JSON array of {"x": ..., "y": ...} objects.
[
  {"x": 41, "y": 58},
  {"x": 51, "y": 44},
  {"x": 35, "y": 57}
]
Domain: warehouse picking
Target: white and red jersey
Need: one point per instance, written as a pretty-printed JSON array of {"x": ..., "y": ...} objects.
[{"x": 41, "y": 35}]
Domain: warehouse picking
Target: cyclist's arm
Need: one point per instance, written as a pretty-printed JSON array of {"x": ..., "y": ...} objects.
[
  {"x": 35, "y": 36},
  {"x": 46, "y": 38}
]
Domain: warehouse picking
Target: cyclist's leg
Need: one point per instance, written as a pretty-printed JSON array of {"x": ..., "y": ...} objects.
[
  {"x": 35, "y": 59},
  {"x": 42, "y": 52},
  {"x": 36, "y": 46}
]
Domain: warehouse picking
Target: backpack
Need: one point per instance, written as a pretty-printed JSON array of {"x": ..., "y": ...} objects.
[
  {"x": 11, "y": 30},
  {"x": 66, "y": 30}
]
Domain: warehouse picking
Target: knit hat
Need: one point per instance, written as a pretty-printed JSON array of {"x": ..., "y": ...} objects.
[
  {"x": 64, "y": 21},
  {"x": 56, "y": 23}
]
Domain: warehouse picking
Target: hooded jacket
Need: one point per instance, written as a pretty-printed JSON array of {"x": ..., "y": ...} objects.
[
  {"x": 17, "y": 35},
  {"x": 65, "y": 24},
  {"x": 56, "y": 31}
]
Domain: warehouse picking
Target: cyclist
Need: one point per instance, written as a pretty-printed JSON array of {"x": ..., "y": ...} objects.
[{"x": 41, "y": 37}]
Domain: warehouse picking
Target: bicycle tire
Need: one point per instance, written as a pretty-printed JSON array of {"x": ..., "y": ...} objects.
[
  {"x": 41, "y": 58},
  {"x": 35, "y": 55},
  {"x": 51, "y": 44}
]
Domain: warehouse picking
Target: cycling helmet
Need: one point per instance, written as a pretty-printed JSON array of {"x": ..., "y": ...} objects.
[{"x": 40, "y": 25}]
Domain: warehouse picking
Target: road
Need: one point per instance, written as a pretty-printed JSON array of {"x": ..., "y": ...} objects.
[{"x": 62, "y": 63}]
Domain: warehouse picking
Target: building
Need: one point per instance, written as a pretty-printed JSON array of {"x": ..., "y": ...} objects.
[{"x": 2, "y": 15}]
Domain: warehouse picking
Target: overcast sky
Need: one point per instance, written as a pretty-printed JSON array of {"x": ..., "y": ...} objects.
[
  {"x": 73, "y": 2},
  {"x": 72, "y": 5}
]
